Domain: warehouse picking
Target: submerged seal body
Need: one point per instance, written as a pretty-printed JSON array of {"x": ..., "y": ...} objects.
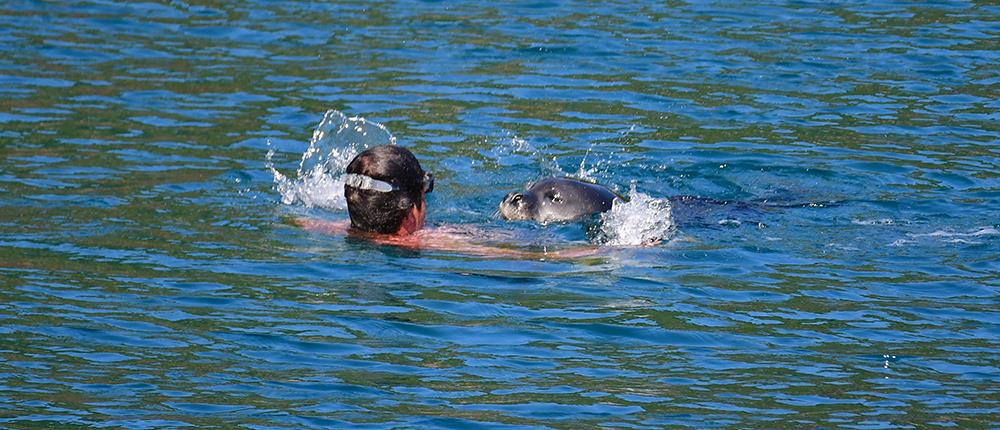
[{"x": 557, "y": 199}]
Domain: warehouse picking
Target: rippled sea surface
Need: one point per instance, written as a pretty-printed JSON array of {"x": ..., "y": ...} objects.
[{"x": 150, "y": 276}]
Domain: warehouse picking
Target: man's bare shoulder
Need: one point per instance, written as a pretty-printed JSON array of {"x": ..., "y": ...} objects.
[
  {"x": 336, "y": 228},
  {"x": 462, "y": 239}
]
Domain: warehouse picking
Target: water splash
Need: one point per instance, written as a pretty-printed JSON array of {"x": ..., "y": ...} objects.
[
  {"x": 585, "y": 173},
  {"x": 511, "y": 150},
  {"x": 548, "y": 164},
  {"x": 602, "y": 164},
  {"x": 522, "y": 145},
  {"x": 643, "y": 220},
  {"x": 334, "y": 144}
]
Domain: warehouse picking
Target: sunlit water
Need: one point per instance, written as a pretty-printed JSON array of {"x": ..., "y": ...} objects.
[{"x": 842, "y": 271}]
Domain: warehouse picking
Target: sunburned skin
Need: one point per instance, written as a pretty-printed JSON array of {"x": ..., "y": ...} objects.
[{"x": 446, "y": 239}]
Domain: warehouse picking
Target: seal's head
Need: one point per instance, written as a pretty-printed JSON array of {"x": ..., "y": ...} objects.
[
  {"x": 556, "y": 200},
  {"x": 518, "y": 206}
]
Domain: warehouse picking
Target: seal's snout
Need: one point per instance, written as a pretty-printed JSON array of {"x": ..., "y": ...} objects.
[{"x": 512, "y": 206}]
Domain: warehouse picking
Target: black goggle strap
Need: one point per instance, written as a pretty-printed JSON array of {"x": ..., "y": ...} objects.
[{"x": 428, "y": 182}]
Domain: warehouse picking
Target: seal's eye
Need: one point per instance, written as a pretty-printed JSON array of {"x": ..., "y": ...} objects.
[{"x": 516, "y": 198}]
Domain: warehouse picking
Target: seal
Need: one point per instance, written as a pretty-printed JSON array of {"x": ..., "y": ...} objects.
[{"x": 557, "y": 200}]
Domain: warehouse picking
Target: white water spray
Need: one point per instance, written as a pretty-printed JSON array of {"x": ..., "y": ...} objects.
[
  {"x": 641, "y": 221},
  {"x": 334, "y": 144}
]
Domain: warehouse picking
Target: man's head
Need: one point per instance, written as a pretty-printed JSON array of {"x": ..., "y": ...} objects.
[{"x": 385, "y": 188}]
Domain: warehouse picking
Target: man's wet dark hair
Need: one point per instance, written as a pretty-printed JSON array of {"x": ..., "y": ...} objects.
[{"x": 378, "y": 211}]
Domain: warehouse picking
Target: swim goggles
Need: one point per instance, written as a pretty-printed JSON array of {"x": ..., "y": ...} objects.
[{"x": 365, "y": 182}]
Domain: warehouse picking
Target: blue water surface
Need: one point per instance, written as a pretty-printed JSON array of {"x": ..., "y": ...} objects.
[{"x": 151, "y": 277}]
